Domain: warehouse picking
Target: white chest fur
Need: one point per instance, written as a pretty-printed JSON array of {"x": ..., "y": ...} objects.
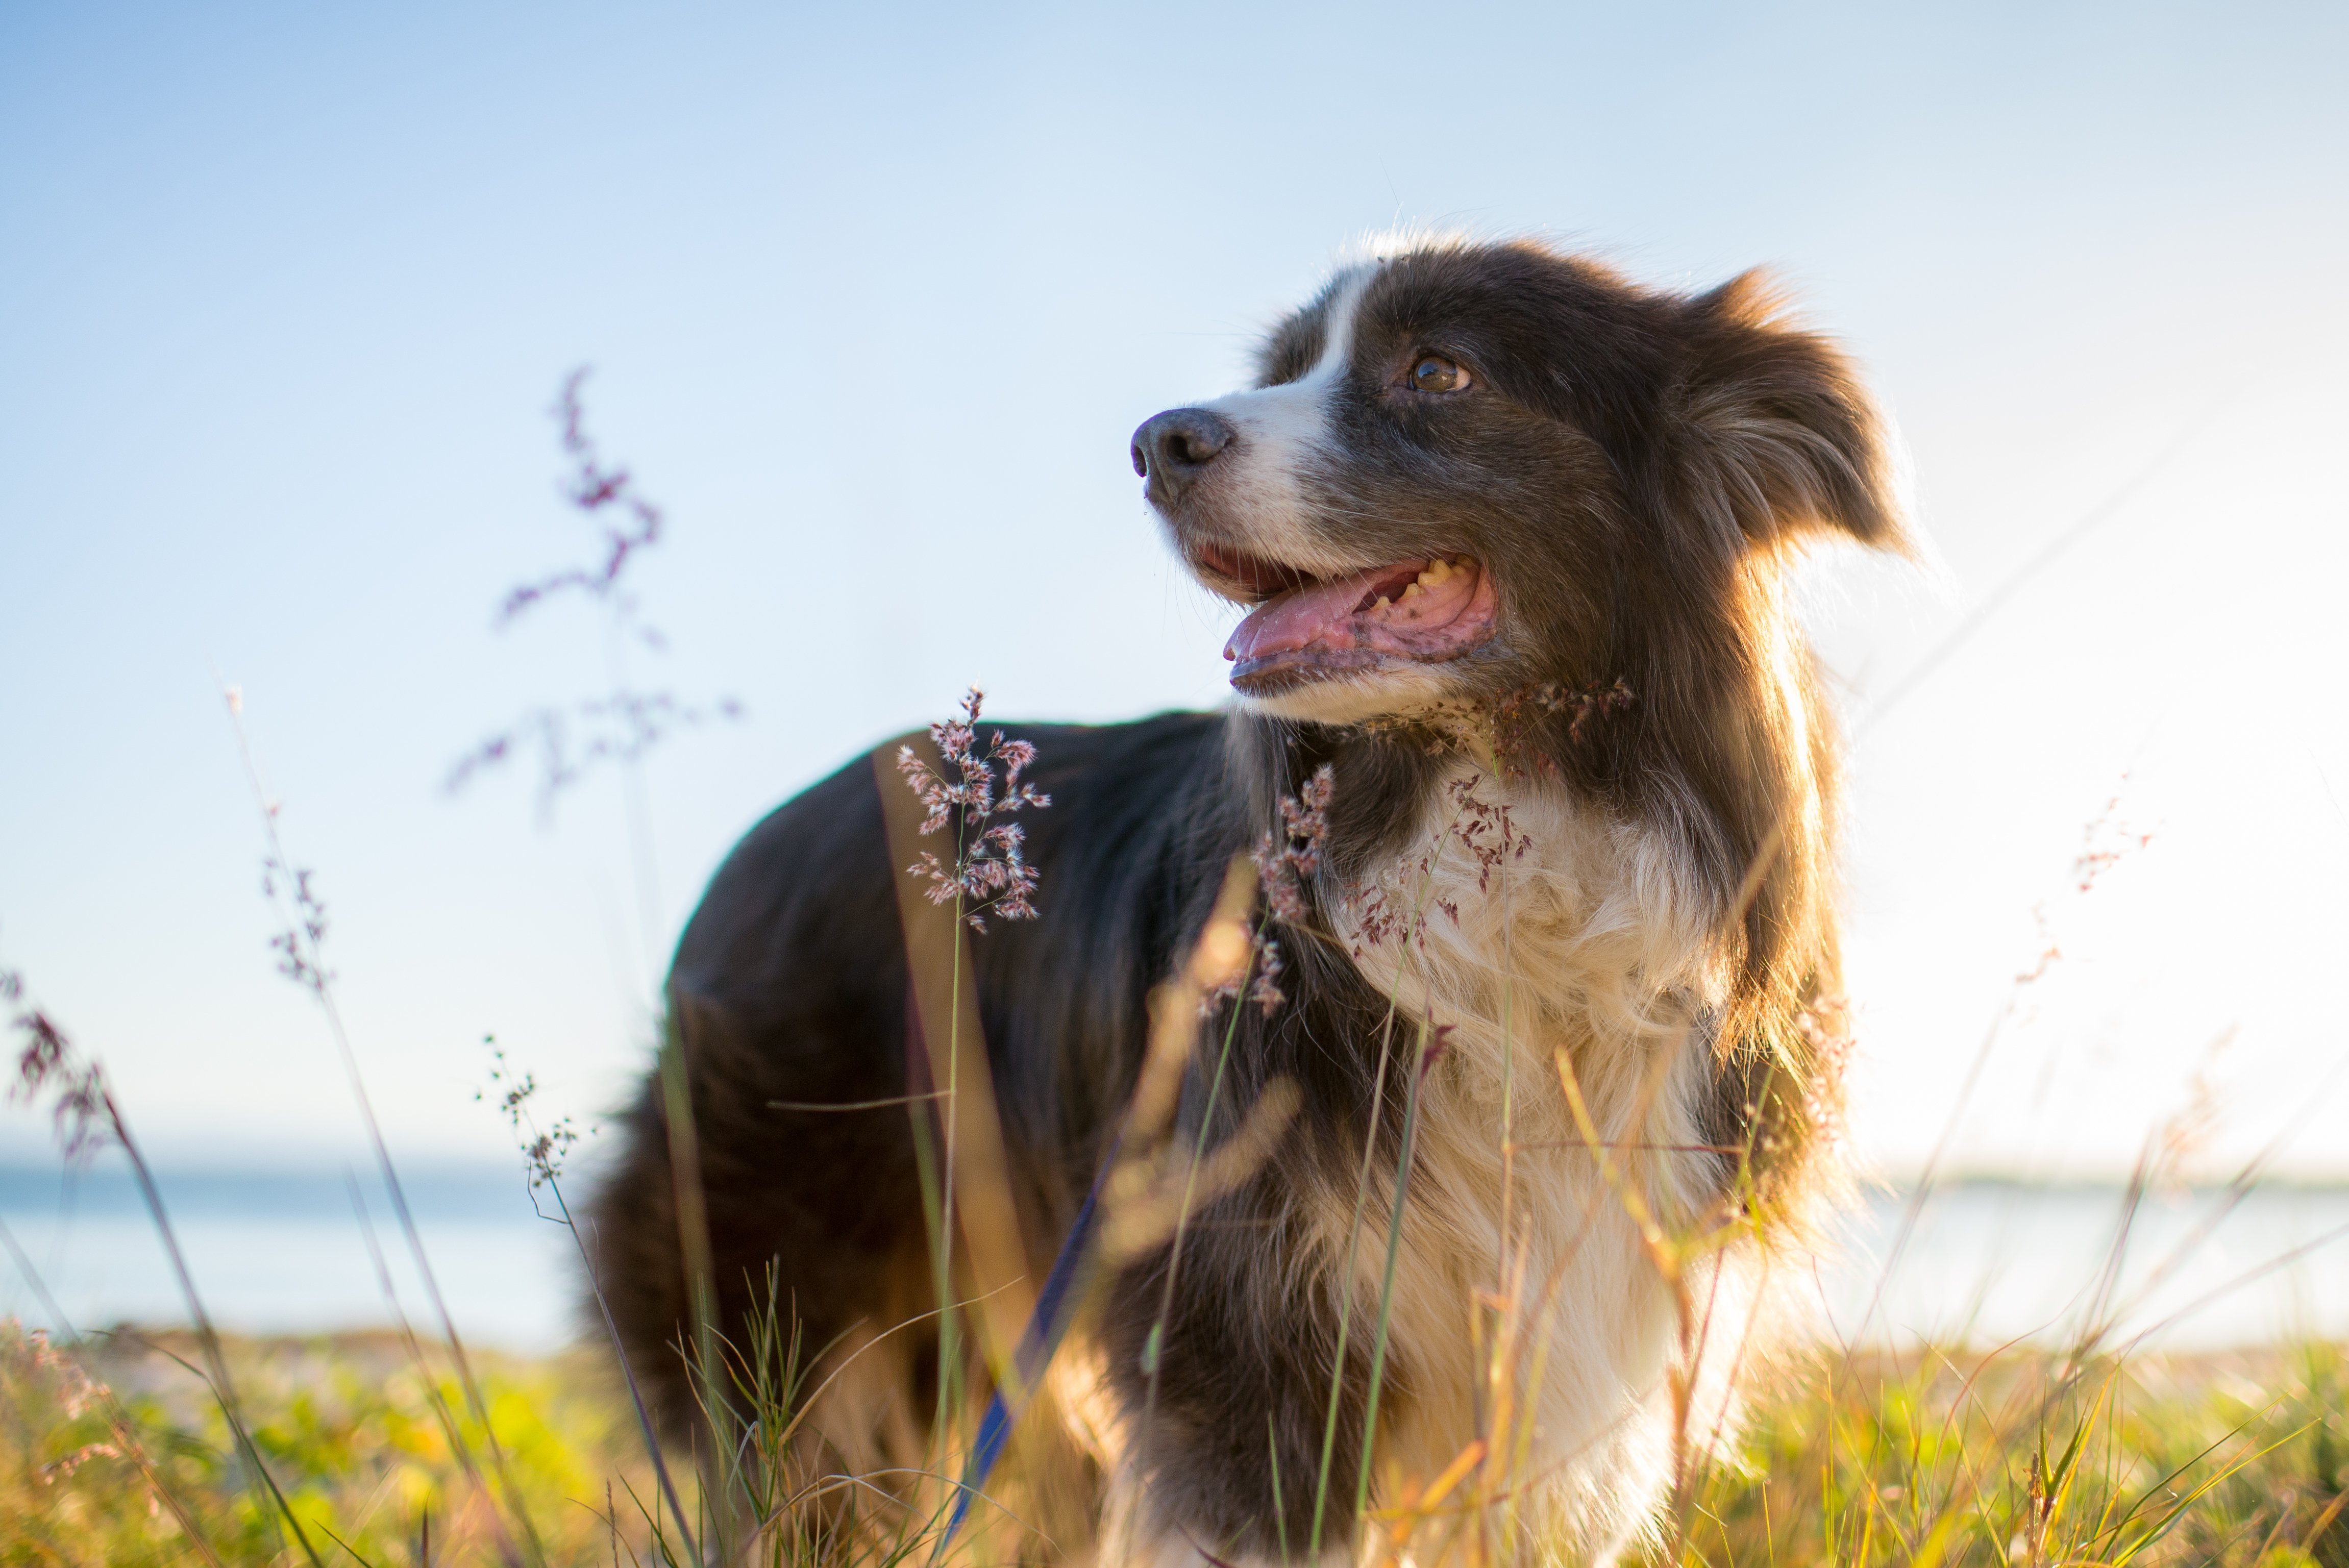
[{"x": 1525, "y": 1296}]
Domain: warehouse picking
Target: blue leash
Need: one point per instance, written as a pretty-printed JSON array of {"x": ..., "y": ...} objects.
[{"x": 1055, "y": 1307}]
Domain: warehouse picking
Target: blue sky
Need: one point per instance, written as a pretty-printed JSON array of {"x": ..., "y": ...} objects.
[{"x": 874, "y": 297}]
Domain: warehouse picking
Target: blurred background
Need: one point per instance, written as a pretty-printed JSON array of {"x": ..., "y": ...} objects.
[{"x": 873, "y": 297}]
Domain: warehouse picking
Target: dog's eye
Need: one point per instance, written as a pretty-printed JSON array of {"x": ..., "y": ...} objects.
[{"x": 1437, "y": 374}]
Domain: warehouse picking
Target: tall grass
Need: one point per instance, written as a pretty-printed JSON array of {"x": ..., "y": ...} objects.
[
  {"x": 415, "y": 1451},
  {"x": 113, "y": 1453},
  {"x": 2091, "y": 1454}
]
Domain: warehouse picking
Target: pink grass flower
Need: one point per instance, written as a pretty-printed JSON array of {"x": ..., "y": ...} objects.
[
  {"x": 48, "y": 1064},
  {"x": 990, "y": 873},
  {"x": 1286, "y": 861}
]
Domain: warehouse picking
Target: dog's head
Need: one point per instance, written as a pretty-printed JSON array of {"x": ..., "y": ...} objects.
[{"x": 1466, "y": 469}]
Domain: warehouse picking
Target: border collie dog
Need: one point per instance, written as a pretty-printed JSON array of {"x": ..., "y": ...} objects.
[{"x": 1515, "y": 533}]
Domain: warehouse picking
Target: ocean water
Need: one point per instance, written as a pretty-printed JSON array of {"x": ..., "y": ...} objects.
[
  {"x": 292, "y": 1252},
  {"x": 1986, "y": 1262},
  {"x": 1983, "y": 1262}
]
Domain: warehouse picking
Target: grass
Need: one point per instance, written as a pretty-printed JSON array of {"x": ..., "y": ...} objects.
[
  {"x": 2229, "y": 1460},
  {"x": 405, "y": 1448},
  {"x": 98, "y": 1445},
  {"x": 400, "y": 1448},
  {"x": 2024, "y": 1458}
]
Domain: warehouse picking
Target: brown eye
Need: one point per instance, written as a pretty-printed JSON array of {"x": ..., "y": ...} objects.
[{"x": 1437, "y": 374}]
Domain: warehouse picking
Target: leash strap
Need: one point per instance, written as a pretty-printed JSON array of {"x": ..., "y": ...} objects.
[{"x": 1055, "y": 1309}]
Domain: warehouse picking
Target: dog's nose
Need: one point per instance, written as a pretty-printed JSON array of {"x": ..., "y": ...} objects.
[{"x": 1173, "y": 449}]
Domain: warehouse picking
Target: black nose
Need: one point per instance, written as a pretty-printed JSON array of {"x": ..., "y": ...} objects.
[{"x": 1173, "y": 449}]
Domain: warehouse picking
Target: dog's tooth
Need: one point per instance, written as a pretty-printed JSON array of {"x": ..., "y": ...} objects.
[
  {"x": 1384, "y": 603},
  {"x": 1410, "y": 592}
]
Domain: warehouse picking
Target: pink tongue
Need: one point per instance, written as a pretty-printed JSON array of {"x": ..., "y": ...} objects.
[{"x": 1300, "y": 618}]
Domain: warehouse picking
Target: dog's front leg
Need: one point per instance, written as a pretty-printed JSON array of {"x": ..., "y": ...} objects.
[{"x": 1241, "y": 1435}]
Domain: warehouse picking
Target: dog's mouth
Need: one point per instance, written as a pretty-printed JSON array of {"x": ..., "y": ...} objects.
[{"x": 1305, "y": 628}]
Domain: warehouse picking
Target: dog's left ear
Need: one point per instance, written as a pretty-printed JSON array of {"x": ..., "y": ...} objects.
[{"x": 1777, "y": 429}]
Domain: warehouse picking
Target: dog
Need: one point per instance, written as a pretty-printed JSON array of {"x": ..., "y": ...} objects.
[{"x": 1524, "y": 708}]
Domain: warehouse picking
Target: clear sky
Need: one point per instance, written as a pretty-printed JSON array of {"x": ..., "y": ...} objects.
[{"x": 873, "y": 296}]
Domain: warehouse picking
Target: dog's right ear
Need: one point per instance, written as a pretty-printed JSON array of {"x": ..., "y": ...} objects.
[{"x": 1777, "y": 430}]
